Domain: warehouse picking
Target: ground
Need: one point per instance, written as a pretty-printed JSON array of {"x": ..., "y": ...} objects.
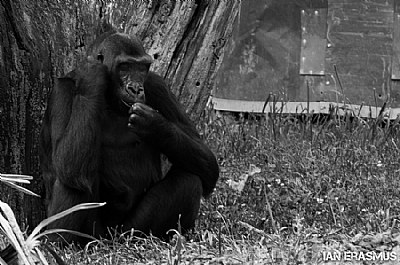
[{"x": 292, "y": 191}]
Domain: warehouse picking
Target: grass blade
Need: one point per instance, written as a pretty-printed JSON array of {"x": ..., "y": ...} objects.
[
  {"x": 21, "y": 189},
  {"x": 45, "y": 222}
]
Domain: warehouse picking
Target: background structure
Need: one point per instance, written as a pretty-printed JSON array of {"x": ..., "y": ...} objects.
[{"x": 313, "y": 53}]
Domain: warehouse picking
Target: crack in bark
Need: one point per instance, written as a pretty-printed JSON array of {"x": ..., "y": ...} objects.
[
  {"x": 9, "y": 13},
  {"x": 185, "y": 42}
]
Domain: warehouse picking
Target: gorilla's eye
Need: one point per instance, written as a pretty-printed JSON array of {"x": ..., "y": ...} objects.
[{"x": 100, "y": 57}]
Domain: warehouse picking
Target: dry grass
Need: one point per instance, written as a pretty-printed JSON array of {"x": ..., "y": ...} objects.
[{"x": 292, "y": 190}]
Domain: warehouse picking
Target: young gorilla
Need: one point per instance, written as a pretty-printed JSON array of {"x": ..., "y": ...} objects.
[{"x": 105, "y": 127}]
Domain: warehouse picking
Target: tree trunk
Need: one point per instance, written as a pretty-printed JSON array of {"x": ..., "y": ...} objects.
[{"x": 41, "y": 40}]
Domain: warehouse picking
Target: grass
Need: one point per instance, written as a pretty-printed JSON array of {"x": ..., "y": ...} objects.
[
  {"x": 330, "y": 176},
  {"x": 291, "y": 191},
  {"x": 320, "y": 184}
]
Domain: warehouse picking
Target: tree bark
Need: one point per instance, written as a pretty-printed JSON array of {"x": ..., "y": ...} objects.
[{"x": 41, "y": 40}]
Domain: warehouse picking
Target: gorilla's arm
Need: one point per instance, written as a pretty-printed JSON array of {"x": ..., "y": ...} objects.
[
  {"x": 70, "y": 129},
  {"x": 165, "y": 126}
]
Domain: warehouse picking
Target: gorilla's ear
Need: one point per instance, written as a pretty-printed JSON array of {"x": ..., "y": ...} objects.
[{"x": 100, "y": 57}]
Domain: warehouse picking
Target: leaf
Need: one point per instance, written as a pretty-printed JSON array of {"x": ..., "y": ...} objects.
[
  {"x": 23, "y": 181},
  {"x": 83, "y": 206},
  {"x": 253, "y": 169},
  {"x": 22, "y": 189},
  {"x": 60, "y": 230},
  {"x": 2, "y": 262},
  {"x": 40, "y": 256},
  {"x": 14, "y": 234},
  {"x": 8, "y": 232},
  {"x": 357, "y": 238},
  {"x": 11, "y": 179},
  {"x": 16, "y": 177},
  {"x": 238, "y": 185}
]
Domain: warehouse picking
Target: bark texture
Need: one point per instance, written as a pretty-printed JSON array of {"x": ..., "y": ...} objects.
[{"x": 41, "y": 40}]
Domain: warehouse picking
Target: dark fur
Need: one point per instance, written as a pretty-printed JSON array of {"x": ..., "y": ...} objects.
[{"x": 88, "y": 154}]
